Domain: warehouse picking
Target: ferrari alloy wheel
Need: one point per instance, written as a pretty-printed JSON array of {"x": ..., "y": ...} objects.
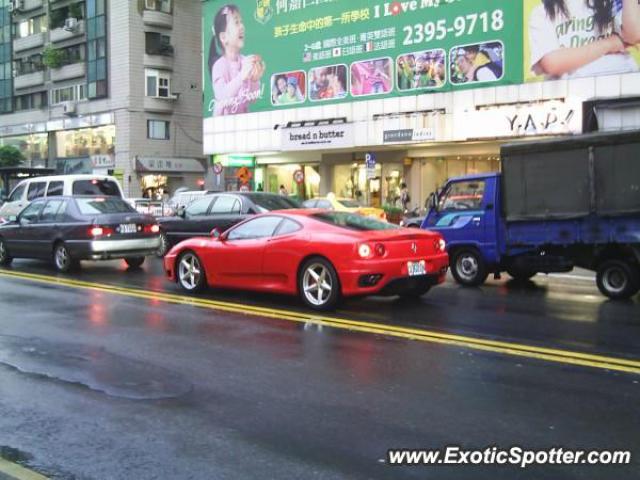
[
  {"x": 5, "y": 258},
  {"x": 190, "y": 272},
  {"x": 319, "y": 284}
]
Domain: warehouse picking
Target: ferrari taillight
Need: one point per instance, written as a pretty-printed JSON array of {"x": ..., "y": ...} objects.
[
  {"x": 364, "y": 250},
  {"x": 440, "y": 245},
  {"x": 380, "y": 250}
]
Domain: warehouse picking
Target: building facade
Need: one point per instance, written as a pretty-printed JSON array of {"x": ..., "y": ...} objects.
[
  {"x": 105, "y": 86},
  {"x": 379, "y": 96}
]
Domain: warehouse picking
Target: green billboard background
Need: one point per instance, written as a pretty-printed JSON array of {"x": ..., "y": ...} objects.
[
  {"x": 286, "y": 34},
  {"x": 331, "y": 51}
]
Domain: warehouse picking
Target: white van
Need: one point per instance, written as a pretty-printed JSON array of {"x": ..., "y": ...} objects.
[{"x": 68, "y": 185}]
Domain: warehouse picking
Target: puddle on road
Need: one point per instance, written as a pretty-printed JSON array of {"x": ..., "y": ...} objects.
[{"x": 93, "y": 367}]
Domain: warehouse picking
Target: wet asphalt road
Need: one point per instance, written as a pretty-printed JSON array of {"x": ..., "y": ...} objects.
[{"x": 101, "y": 386}]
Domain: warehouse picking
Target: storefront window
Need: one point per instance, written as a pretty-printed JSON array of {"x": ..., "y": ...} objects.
[
  {"x": 277, "y": 175},
  {"x": 86, "y": 142},
  {"x": 367, "y": 188},
  {"x": 34, "y": 147}
]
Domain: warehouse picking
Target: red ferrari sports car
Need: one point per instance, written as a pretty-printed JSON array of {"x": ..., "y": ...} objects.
[{"x": 319, "y": 255}]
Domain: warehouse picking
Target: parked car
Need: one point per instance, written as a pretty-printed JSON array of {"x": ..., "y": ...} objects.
[
  {"x": 184, "y": 198},
  {"x": 37, "y": 187},
  {"x": 319, "y": 255},
  {"x": 412, "y": 218},
  {"x": 331, "y": 202},
  {"x": 69, "y": 229},
  {"x": 219, "y": 210}
]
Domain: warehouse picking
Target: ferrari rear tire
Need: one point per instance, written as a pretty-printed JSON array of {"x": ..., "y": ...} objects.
[
  {"x": 134, "y": 262},
  {"x": 5, "y": 258},
  {"x": 190, "y": 272},
  {"x": 318, "y": 284}
]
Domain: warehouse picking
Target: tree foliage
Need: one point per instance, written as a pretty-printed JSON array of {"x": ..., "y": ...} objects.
[{"x": 10, "y": 156}]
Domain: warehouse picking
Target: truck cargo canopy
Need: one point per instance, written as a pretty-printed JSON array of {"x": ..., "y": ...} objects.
[{"x": 572, "y": 177}]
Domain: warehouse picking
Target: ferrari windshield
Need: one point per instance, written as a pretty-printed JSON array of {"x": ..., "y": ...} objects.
[
  {"x": 349, "y": 203},
  {"x": 353, "y": 221}
]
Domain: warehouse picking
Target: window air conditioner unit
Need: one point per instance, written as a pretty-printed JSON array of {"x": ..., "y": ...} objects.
[
  {"x": 16, "y": 5},
  {"x": 70, "y": 108},
  {"x": 71, "y": 24}
]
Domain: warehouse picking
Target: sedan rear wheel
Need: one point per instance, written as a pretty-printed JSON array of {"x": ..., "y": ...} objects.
[
  {"x": 5, "y": 259},
  {"x": 319, "y": 285},
  {"x": 62, "y": 259},
  {"x": 190, "y": 272},
  {"x": 134, "y": 262}
]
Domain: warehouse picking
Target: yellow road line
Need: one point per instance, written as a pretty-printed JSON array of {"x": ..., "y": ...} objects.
[
  {"x": 501, "y": 347},
  {"x": 13, "y": 470}
]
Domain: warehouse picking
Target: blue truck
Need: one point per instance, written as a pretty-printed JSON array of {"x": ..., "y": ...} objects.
[{"x": 556, "y": 204}]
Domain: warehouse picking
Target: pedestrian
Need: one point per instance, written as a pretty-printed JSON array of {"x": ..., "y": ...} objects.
[
  {"x": 405, "y": 198},
  {"x": 283, "y": 191}
]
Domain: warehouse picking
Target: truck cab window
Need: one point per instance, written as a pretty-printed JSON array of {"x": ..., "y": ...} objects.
[{"x": 462, "y": 196}]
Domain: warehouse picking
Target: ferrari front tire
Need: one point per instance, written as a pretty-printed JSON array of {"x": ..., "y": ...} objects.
[
  {"x": 318, "y": 284},
  {"x": 190, "y": 272}
]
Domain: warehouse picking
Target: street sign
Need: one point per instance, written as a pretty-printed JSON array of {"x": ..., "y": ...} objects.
[
  {"x": 370, "y": 161},
  {"x": 298, "y": 176}
]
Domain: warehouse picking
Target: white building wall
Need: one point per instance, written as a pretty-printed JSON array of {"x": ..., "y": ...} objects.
[{"x": 254, "y": 132}]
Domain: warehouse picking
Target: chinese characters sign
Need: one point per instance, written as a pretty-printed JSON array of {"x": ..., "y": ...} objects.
[{"x": 264, "y": 55}]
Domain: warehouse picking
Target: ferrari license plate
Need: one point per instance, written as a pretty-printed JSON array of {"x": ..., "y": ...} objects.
[
  {"x": 128, "y": 228},
  {"x": 417, "y": 268}
]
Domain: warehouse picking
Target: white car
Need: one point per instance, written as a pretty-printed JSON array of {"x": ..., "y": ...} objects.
[{"x": 55, "y": 186}]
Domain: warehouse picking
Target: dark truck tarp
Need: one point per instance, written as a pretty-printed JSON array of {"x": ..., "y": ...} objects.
[{"x": 572, "y": 177}]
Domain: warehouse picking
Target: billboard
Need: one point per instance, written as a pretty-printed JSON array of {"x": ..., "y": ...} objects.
[{"x": 262, "y": 55}]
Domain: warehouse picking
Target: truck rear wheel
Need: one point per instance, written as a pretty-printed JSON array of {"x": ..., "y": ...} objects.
[
  {"x": 521, "y": 274},
  {"x": 617, "y": 279},
  {"x": 469, "y": 268}
]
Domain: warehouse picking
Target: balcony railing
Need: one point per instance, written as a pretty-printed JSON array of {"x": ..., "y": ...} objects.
[
  {"x": 28, "y": 80},
  {"x": 159, "y": 104},
  {"x": 61, "y": 34},
  {"x": 29, "y": 5},
  {"x": 155, "y": 18},
  {"x": 67, "y": 72},
  {"x": 26, "y": 43}
]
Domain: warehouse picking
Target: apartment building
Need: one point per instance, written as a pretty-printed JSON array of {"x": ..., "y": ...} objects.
[{"x": 105, "y": 86}]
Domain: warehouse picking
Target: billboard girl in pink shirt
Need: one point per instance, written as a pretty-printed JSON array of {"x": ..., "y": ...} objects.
[{"x": 235, "y": 77}]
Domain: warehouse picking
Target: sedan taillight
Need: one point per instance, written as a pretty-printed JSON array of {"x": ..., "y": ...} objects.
[
  {"x": 152, "y": 228},
  {"x": 100, "y": 231}
]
